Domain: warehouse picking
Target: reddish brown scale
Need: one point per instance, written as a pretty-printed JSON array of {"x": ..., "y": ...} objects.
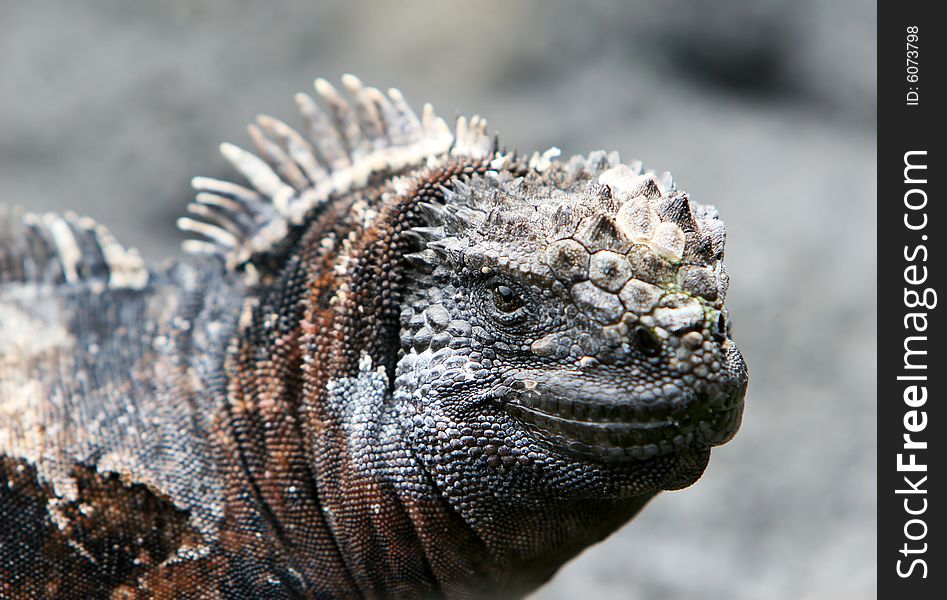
[
  {"x": 264, "y": 444},
  {"x": 116, "y": 534},
  {"x": 366, "y": 323}
]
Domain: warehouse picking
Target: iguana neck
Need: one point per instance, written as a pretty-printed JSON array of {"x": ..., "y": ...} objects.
[{"x": 365, "y": 518}]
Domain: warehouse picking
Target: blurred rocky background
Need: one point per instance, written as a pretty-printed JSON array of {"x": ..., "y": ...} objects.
[{"x": 765, "y": 108}]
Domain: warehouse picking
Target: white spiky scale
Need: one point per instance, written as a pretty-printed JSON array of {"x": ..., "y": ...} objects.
[
  {"x": 409, "y": 124},
  {"x": 541, "y": 162},
  {"x": 259, "y": 174},
  {"x": 628, "y": 183},
  {"x": 371, "y": 127},
  {"x": 205, "y": 199},
  {"x": 388, "y": 118},
  {"x": 83, "y": 251},
  {"x": 637, "y": 219},
  {"x": 298, "y": 148},
  {"x": 66, "y": 245},
  {"x": 200, "y": 247},
  {"x": 224, "y": 187},
  {"x": 287, "y": 169},
  {"x": 213, "y": 232},
  {"x": 434, "y": 126},
  {"x": 668, "y": 241},
  {"x": 323, "y": 134},
  {"x": 203, "y": 210},
  {"x": 373, "y": 133},
  {"x": 125, "y": 266},
  {"x": 344, "y": 116},
  {"x": 502, "y": 161},
  {"x": 471, "y": 139}
]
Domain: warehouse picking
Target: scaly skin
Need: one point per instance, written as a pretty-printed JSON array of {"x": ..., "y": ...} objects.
[{"x": 413, "y": 366}]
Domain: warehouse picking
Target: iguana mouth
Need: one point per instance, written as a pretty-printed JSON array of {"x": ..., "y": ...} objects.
[{"x": 629, "y": 431}]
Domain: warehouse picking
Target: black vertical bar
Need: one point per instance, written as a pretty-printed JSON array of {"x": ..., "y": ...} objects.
[{"x": 912, "y": 375}]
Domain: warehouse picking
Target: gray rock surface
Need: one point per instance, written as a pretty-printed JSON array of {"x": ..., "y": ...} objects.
[{"x": 765, "y": 109}]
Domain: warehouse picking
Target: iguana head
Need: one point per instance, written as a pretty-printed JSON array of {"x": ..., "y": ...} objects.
[
  {"x": 566, "y": 331},
  {"x": 562, "y": 352}
]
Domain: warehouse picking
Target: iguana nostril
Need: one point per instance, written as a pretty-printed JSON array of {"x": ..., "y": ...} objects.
[
  {"x": 721, "y": 329},
  {"x": 647, "y": 341}
]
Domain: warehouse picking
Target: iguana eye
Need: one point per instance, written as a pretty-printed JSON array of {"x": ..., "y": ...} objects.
[{"x": 505, "y": 299}]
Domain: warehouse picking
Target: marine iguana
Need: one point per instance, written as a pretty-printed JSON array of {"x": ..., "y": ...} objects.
[{"x": 408, "y": 364}]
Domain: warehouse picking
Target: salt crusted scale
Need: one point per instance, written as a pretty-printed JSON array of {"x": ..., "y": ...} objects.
[
  {"x": 624, "y": 240},
  {"x": 348, "y": 142}
]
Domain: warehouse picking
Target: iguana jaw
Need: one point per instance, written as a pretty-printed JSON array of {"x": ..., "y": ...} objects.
[{"x": 602, "y": 423}]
